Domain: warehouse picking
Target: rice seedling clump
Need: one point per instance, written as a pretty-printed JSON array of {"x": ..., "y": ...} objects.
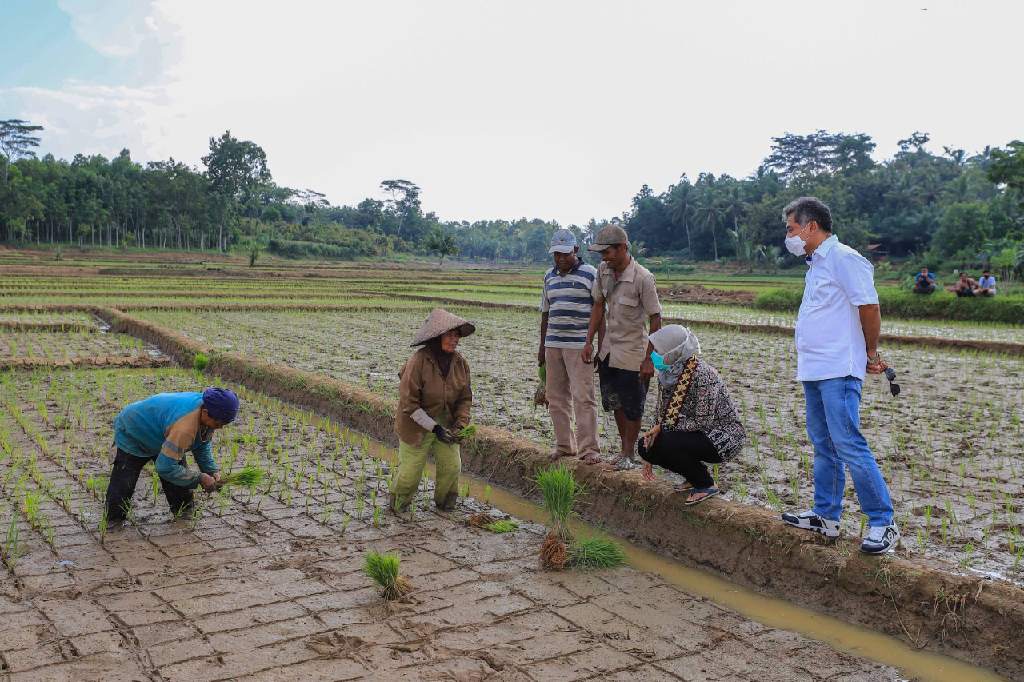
[
  {"x": 249, "y": 477},
  {"x": 383, "y": 569},
  {"x": 596, "y": 553}
]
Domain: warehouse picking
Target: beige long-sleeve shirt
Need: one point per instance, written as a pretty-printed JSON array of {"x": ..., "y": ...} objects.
[{"x": 447, "y": 401}]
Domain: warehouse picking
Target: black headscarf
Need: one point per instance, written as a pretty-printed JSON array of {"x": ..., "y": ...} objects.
[{"x": 444, "y": 360}]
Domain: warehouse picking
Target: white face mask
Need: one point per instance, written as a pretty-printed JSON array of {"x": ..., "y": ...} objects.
[{"x": 796, "y": 245}]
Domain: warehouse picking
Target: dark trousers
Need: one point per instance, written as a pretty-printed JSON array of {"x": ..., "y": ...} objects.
[
  {"x": 123, "y": 477},
  {"x": 683, "y": 452}
]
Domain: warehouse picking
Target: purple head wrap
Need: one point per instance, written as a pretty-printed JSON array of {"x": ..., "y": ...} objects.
[{"x": 221, "y": 404}]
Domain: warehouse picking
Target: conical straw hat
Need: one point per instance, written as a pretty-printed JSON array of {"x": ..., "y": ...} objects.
[{"x": 440, "y": 321}]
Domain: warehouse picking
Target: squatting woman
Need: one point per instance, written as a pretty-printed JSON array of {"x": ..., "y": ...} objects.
[
  {"x": 434, "y": 403},
  {"x": 697, "y": 420}
]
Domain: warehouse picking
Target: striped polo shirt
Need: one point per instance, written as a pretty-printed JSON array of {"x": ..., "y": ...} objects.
[{"x": 567, "y": 300}]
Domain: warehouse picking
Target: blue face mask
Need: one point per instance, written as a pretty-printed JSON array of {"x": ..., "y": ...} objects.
[{"x": 659, "y": 363}]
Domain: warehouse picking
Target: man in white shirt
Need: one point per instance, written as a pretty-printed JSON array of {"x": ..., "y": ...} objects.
[{"x": 837, "y": 332}]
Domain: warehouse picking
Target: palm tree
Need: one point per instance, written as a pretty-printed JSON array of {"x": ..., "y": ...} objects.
[
  {"x": 709, "y": 214},
  {"x": 683, "y": 209}
]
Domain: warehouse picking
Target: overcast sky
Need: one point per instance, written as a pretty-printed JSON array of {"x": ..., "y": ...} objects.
[{"x": 507, "y": 109}]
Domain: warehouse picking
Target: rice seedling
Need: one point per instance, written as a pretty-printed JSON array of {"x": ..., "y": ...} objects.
[
  {"x": 502, "y": 526},
  {"x": 12, "y": 544},
  {"x": 249, "y": 477},
  {"x": 596, "y": 553},
  {"x": 559, "y": 491},
  {"x": 200, "y": 362},
  {"x": 384, "y": 569},
  {"x": 468, "y": 431}
]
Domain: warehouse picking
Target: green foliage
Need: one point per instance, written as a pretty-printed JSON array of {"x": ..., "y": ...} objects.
[
  {"x": 249, "y": 477},
  {"x": 441, "y": 244},
  {"x": 596, "y": 553},
  {"x": 560, "y": 491},
  {"x": 904, "y": 304},
  {"x": 468, "y": 431},
  {"x": 200, "y": 362}
]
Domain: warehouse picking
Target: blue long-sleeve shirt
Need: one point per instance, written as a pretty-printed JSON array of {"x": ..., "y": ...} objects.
[{"x": 166, "y": 426}]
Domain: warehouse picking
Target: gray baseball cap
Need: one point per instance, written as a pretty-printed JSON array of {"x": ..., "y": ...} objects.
[
  {"x": 610, "y": 235},
  {"x": 562, "y": 241}
]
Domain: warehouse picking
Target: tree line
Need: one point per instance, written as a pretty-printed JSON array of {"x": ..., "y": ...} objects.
[{"x": 937, "y": 208}]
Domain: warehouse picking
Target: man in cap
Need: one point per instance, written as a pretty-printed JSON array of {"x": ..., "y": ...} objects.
[
  {"x": 161, "y": 429},
  {"x": 628, "y": 292},
  {"x": 565, "y": 306}
]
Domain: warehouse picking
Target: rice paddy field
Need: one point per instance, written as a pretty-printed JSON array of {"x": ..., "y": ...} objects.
[{"x": 267, "y": 582}]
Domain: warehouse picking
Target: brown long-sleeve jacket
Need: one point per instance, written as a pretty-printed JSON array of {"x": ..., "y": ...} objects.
[{"x": 448, "y": 400}]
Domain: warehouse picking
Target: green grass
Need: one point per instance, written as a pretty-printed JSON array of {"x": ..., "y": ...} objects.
[{"x": 596, "y": 553}]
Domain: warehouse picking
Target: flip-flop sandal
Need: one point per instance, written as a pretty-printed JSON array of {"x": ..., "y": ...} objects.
[
  {"x": 555, "y": 456},
  {"x": 682, "y": 487},
  {"x": 706, "y": 492}
]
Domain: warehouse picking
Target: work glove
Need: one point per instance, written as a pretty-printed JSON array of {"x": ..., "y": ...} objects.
[{"x": 443, "y": 435}]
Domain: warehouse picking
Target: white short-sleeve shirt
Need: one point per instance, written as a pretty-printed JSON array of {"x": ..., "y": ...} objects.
[{"x": 829, "y": 336}]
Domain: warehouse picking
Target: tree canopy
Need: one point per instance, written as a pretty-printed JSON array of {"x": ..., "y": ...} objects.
[{"x": 936, "y": 207}]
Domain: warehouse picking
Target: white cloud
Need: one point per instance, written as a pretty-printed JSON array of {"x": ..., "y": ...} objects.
[
  {"x": 116, "y": 28},
  {"x": 529, "y": 108}
]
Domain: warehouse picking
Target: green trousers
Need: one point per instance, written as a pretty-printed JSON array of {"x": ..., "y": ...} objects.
[{"x": 411, "y": 460}]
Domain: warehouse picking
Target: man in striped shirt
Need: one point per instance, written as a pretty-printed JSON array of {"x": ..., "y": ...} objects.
[{"x": 565, "y": 308}]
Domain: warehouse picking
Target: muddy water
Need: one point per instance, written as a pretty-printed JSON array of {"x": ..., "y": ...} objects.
[{"x": 843, "y": 636}]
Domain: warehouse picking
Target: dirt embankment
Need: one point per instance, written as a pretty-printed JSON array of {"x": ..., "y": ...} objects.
[
  {"x": 969, "y": 617},
  {"x": 98, "y": 361},
  {"x": 698, "y": 293},
  {"x": 27, "y": 326}
]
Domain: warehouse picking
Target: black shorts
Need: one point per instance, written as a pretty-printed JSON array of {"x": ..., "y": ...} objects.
[{"x": 622, "y": 389}]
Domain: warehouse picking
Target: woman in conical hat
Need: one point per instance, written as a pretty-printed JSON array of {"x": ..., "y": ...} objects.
[{"x": 434, "y": 404}]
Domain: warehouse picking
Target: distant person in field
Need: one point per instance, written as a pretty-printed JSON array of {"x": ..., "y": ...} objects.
[
  {"x": 924, "y": 282},
  {"x": 697, "y": 420},
  {"x": 837, "y": 332},
  {"x": 625, "y": 300},
  {"x": 565, "y": 306},
  {"x": 987, "y": 284},
  {"x": 161, "y": 429},
  {"x": 965, "y": 287},
  {"x": 434, "y": 403}
]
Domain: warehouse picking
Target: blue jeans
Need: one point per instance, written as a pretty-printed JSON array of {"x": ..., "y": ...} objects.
[{"x": 833, "y": 425}]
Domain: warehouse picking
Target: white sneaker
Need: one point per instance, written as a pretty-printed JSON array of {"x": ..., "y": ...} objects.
[
  {"x": 881, "y": 539},
  {"x": 808, "y": 520}
]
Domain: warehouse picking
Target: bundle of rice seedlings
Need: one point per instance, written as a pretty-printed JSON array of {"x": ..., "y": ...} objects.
[
  {"x": 560, "y": 491},
  {"x": 248, "y": 476},
  {"x": 383, "y": 570},
  {"x": 502, "y": 526},
  {"x": 466, "y": 432},
  {"x": 596, "y": 553},
  {"x": 479, "y": 520}
]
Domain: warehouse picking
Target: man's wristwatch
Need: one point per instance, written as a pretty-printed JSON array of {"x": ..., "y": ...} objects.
[{"x": 875, "y": 359}]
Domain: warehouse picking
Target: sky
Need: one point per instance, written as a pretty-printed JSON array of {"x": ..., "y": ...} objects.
[{"x": 554, "y": 109}]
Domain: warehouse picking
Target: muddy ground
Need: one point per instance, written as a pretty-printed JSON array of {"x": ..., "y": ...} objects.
[
  {"x": 268, "y": 584},
  {"x": 949, "y": 446}
]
